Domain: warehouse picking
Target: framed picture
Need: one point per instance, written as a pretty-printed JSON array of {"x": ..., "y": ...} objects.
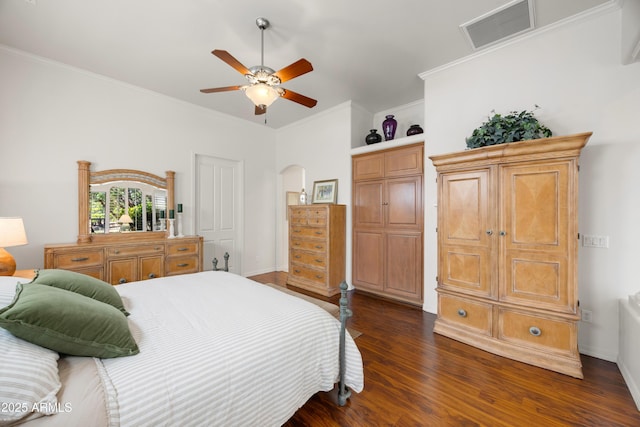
[
  {"x": 325, "y": 191},
  {"x": 293, "y": 198}
]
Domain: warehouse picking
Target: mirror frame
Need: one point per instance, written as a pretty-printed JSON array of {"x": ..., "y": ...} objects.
[{"x": 86, "y": 178}]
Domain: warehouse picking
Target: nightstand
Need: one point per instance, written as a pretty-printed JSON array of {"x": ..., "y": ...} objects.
[{"x": 27, "y": 274}]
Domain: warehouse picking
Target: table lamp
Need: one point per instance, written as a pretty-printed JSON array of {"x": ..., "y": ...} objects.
[
  {"x": 126, "y": 221},
  {"x": 11, "y": 234}
]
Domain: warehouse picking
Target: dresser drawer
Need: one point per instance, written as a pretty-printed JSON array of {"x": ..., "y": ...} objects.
[
  {"x": 318, "y": 259},
  {"x": 76, "y": 260},
  {"x": 309, "y": 274},
  {"x": 537, "y": 331},
  {"x": 315, "y": 232},
  {"x": 465, "y": 313},
  {"x": 308, "y": 245},
  {"x": 182, "y": 248},
  {"x": 128, "y": 250},
  {"x": 182, "y": 265}
]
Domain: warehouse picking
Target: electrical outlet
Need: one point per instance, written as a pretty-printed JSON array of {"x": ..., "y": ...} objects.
[
  {"x": 587, "y": 316},
  {"x": 590, "y": 241}
]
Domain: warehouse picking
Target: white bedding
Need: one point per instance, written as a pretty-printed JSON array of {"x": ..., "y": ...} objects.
[
  {"x": 216, "y": 349},
  {"x": 219, "y": 349}
]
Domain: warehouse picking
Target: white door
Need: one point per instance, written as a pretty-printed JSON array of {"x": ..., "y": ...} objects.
[{"x": 218, "y": 206}]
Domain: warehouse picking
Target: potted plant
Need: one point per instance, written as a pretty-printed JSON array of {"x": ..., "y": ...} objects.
[{"x": 512, "y": 127}]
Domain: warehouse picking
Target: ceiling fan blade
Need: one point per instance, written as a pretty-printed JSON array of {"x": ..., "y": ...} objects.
[
  {"x": 300, "y": 99},
  {"x": 221, "y": 89},
  {"x": 229, "y": 59},
  {"x": 261, "y": 109},
  {"x": 298, "y": 68}
]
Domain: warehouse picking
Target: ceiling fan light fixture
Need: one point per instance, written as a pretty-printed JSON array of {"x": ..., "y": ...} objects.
[{"x": 261, "y": 94}]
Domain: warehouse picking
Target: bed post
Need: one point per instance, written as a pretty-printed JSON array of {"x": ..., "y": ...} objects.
[{"x": 345, "y": 313}]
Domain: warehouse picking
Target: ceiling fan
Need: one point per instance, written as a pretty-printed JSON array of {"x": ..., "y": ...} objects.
[{"x": 264, "y": 83}]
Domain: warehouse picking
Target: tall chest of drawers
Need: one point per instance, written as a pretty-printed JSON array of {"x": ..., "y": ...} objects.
[
  {"x": 317, "y": 247},
  {"x": 126, "y": 261}
]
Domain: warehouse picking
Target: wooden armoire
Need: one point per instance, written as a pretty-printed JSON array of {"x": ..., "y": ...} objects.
[
  {"x": 507, "y": 250},
  {"x": 388, "y": 223}
]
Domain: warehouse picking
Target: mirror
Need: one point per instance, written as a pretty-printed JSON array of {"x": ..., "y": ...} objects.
[{"x": 119, "y": 203}]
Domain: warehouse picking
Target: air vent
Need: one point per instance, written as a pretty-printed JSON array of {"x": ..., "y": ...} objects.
[{"x": 507, "y": 21}]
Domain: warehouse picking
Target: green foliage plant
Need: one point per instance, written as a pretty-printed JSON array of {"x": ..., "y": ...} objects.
[{"x": 512, "y": 127}]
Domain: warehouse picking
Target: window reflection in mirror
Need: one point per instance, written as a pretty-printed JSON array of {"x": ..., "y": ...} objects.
[{"x": 144, "y": 204}]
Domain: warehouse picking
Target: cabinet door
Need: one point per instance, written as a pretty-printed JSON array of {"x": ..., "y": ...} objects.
[
  {"x": 370, "y": 166},
  {"x": 368, "y": 259},
  {"x": 539, "y": 234},
  {"x": 151, "y": 267},
  {"x": 466, "y": 233},
  {"x": 404, "y": 265},
  {"x": 404, "y": 161},
  {"x": 123, "y": 270},
  {"x": 368, "y": 204},
  {"x": 403, "y": 202}
]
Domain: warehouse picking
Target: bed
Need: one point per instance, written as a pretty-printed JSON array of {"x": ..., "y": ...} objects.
[{"x": 210, "y": 348}]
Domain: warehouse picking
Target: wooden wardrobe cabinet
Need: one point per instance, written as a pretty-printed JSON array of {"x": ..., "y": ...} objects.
[
  {"x": 507, "y": 250},
  {"x": 317, "y": 247},
  {"x": 388, "y": 223},
  {"x": 123, "y": 260}
]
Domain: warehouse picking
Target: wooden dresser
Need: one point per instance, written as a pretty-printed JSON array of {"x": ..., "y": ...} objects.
[
  {"x": 317, "y": 247},
  {"x": 388, "y": 223},
  {"x": 125, "y": 261},
  {"x": 507, "y": 250}
]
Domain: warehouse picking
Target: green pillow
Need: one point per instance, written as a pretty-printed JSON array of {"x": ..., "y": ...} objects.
[
  {"x": 81, "y": 284},
  {"x": 67, "y": 322}
]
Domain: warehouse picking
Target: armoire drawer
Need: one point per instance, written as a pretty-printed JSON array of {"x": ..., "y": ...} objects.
[
  {"x": 538, "y": 331},
  {"x": 472, "y": 315}
]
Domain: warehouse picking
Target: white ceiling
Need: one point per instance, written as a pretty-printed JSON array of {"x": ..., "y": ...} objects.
[{"x": 367, "y": 51}]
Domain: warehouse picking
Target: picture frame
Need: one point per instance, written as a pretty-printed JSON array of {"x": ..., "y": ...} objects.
[{"x": 325, "y": 191}]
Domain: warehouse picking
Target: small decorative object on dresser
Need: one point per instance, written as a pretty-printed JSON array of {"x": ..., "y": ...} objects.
[
  {"x": 414, "y": 130},
  {"x": 373, "y": 138},
  {"x": 389, "y": 126},
  {"x": 325, "y": 191},
  {"x": 303, "y": 197}
]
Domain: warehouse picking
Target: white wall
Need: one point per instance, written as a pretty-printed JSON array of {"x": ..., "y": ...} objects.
[
  {"x": 575, "y": 74},
  {"x": 321, "y": 145},
  {"x": 52, "y": 115}
]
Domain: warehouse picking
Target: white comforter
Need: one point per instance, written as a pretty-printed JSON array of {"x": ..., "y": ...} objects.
[{"x": 218, "y": 349}]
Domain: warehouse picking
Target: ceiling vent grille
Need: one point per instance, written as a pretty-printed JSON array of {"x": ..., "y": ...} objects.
[{"x": 510, "y": 20}]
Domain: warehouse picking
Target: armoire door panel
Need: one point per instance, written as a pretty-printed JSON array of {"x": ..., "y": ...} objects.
[
  {"x": 466, "y": 269},
  {"x": 407, "y": 161},
  {"x": 404, "y": 265},
  {"x": 536, "y": 214},
  {"x": 368, "y": 255},
  {"x": 403, "y": 200},
  {"x": 369, "y": 167},
  {"x": 368, "y": 204},
  {"x": 465, "y": 208}
]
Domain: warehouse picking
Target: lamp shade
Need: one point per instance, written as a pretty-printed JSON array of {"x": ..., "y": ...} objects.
[
  {"x": 125, "y": 219},
  {"x": 12, "y": 232},
  {"x": 261, "y": 94}
]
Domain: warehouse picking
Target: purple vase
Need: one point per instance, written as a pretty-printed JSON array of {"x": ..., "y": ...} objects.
[{"x": 389, "y": 126}]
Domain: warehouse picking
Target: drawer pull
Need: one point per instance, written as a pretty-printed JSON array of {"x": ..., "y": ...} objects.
[
  {"x": 535, "y": 331},
  {"x": 184, "y": 264},
  {"x": 318, "y": 246},
  {"x": 503, "y": 233},
  {"x": 182, "y": 249},
  {"x": 296, "y": 231},
  {"x": 152, "y": 275},
  {"x": 489, "y": 232},
  {"x": 319, "y": 233},
  {"x": 117, "y": 251},
  {"x": 319, "y": 260},
  {"x": 84, "y": 258},
  {"x": 462, "y": 312},
  {"x": 297, "y": 243},
  {"x": 319, "y": 276},
  {"x": 297, "y": 271},
  {"x": 297, "y": 257},
  {"x": 122, "y": 280}
]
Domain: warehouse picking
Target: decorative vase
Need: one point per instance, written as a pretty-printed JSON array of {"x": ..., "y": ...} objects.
[
  {"x": 389, "y": 126},
  {"x": 414, "y": 130},
  {"x": 373, "y": 137}
]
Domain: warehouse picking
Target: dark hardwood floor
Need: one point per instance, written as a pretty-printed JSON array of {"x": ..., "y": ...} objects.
[{"x": 414, "y": 377}]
